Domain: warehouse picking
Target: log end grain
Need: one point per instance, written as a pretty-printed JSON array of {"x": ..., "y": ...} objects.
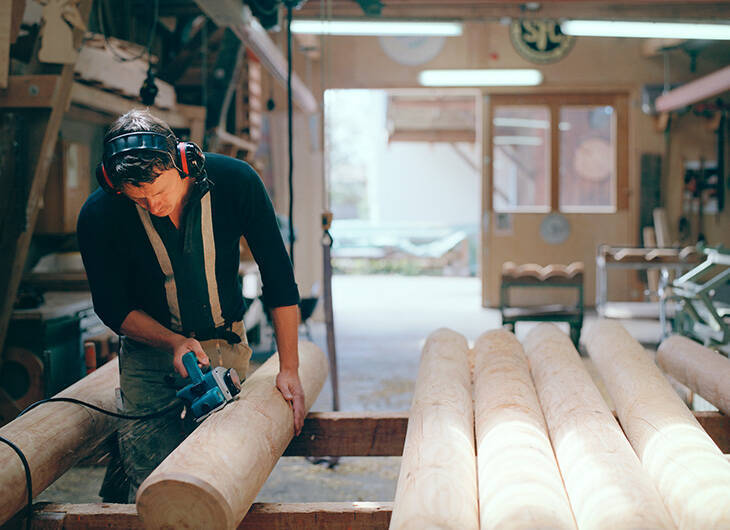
[{"x": 190, "y": 503}]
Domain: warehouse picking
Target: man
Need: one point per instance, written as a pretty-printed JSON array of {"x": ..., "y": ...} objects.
[{"x": 160, "y": 244}]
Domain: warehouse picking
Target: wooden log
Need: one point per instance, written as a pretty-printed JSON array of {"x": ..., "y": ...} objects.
[
  {"x": 606, "y": 485},
  {"x": 213, "y": 477},
  {"x": 437, "y": 484},
  {"x": 690, "y": 472},
  {"x": 519, "y": 482},
  {"x": 703, "y": 370},
  {"x": 54, "y": 436}
]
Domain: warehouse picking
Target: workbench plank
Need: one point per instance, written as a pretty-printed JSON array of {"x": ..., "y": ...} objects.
[{"x": 351, "y": 434}]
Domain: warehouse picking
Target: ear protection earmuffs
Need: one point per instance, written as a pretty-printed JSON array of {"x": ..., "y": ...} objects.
[{"x": 188, "y": 158}]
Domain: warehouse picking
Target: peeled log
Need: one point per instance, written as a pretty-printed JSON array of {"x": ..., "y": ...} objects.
[
  {"x": 54, "y": 436},
  {"x": 701, "y": 369},
  {"x": 606, "y": 485},
  {"x": 519, "y": 482},
  {"x": 437, "y": 485},
  {"x": 213, "y": 477},
  {"x": 690, "y": 472}
]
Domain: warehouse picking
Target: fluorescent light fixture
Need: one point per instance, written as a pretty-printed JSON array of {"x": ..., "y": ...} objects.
[
  {"x": 517, "y": 140},
  {"x": 393, "y": 28},
  {"x": 492, "y": 77},
  {"x": 645, "y": 30},
  {"x": 521, "y": 122}
]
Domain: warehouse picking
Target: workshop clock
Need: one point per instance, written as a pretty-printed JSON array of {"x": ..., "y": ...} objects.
[
  {"x": 554, "y": 229},
  {"x": 412, "y": 51}
]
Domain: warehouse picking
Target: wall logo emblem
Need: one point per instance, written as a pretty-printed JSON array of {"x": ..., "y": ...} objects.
[{"x": 540, "y": 41}]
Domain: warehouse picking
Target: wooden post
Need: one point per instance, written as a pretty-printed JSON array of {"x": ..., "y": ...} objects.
[
  {"x": 213, "y": 477},
  {"x": 701, "y": 369},
  {"x": 437, "y": 485},
  {"x": 6, "y": 20},
  {"x": 690, "y": 472},
  {"x": 54, "y": 436},
  {"x": 606, "y": 485},
  {"x": 519, "y": 482},
  {"x": 14, "y": 254}
]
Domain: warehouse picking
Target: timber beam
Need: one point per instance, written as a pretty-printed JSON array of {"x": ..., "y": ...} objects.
[
  {"x": 303, "y": 516},
  {"x": 383, "y": 434},
  {"x": 29, "y": 91}
]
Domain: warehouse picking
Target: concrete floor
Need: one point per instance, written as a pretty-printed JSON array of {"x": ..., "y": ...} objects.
[{"x": 381, "y": 323}]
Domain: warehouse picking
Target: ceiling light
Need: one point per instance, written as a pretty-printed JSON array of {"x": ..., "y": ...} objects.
[
  {"x": 646, "y": 30},
  {"x": 493, "y": 77},
  {"x": 395, "y": 28}
]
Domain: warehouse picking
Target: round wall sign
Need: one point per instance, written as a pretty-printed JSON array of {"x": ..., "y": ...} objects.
[
  {"x": 540, "y": 41},
  {"x": 554, "y": 229}
]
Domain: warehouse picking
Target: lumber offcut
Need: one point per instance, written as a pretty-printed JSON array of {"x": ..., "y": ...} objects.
[
  {"x": 437, "y": 485},
  {"x": 703, "y": 370},
  {"x": 519, "y": 482},
  {"x": 54, "y": 436},
  {"x": 690, "y": 472},
  {"x": 606, "y": 485},
  {"x": 213, "y": 477}
]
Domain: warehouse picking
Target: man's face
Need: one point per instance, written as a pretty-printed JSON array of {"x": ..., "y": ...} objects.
[{"x": 161, "y": 196}]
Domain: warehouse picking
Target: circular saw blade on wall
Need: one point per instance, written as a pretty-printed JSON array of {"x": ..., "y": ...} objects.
[{"x": 412, "y": 51}]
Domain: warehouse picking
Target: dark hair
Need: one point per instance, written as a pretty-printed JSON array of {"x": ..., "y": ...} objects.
[{"x": 137, "y": 167}]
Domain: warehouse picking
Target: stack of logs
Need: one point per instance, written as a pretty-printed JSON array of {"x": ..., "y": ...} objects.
[
  {"x": 538, "y": 447},
  {"x": 501, "y": 435}
]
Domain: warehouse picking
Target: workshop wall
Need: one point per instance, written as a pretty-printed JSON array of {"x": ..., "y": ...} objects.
[{"x": 593, "y": 65}]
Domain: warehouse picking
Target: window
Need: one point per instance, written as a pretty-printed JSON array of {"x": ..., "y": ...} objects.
[
  {"x": 587, "y": 158},
  {"x": 521, "y": 155},
  {"x": 559, "y": 152}
]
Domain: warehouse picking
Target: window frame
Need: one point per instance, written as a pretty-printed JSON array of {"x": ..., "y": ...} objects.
[{"x": 617, "y": 100}]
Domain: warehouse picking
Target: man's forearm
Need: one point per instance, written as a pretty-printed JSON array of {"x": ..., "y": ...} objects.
[
  {"x": 141, "y": 327},
  {"x": 286, "y": 325}
]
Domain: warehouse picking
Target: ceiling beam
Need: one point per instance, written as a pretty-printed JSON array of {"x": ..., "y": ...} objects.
[
  {"x": 677, "y": 10},
  {"x": 234, "y": 14},
  {"x": 694, "y": 91}
]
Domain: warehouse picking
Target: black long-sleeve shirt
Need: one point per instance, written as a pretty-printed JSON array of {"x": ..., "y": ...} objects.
[{"x": 123, "y": 270}]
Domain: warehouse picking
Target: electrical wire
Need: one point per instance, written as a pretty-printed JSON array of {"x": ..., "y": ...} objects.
[
  {"x": 290, "y": 113},
  {"x": 26, "y": 467},
  {"x": 141, "y": 54},
  {"x": 24, "y": 460}
]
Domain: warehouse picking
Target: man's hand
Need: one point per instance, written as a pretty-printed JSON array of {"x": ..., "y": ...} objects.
[
  {"x": 290, "y": 387},
  {"x": 184, "y": 346},
  {"x": 138, "y": 325}
]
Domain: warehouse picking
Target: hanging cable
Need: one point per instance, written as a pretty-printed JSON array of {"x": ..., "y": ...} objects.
[
  {"x": 204, "y": 65},
  {"x": 141, "y": 54},
  {"x": 290, "y": 113}
]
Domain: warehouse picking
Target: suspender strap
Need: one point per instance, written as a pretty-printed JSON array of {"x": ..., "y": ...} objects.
[
  {"x": 206, "y": 219},
  {"x": 164, "y": 260}
]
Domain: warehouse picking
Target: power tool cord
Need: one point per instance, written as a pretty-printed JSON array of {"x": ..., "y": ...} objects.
[{"x": 24, "y": 460}]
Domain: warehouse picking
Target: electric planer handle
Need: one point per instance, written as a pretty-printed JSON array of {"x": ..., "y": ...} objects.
[{"x": 190, "y": 361}]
